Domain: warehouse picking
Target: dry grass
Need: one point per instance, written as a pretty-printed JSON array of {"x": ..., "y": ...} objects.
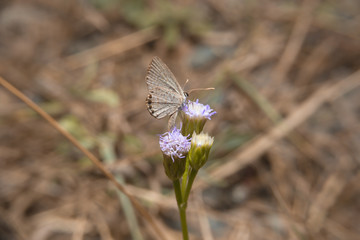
[{"x": 286, "y": 155}]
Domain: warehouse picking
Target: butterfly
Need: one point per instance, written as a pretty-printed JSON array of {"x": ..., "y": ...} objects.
[{"x": 166, "y": 97}]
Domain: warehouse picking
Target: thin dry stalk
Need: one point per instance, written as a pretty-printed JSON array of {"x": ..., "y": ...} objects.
[
  {"x": 87, "y": 153},
  {"x": 203, "y": 220},
  {"x": 110, "y": 49},
  {"x": 302, "y": 25},
  {"x": 325, "y": 199},
  {"x": 315, "y": 62}
]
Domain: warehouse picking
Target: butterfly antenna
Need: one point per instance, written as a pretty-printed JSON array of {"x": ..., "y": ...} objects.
[
  {"x": 200, "y": 89},
  {"x": 187, "y": 80}
]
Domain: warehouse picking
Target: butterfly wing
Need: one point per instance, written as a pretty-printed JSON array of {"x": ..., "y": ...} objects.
[
  {"x": 161, "y": 102},
  {"x": 165, "y": 93},
  {"x": 160, "y": 75}
]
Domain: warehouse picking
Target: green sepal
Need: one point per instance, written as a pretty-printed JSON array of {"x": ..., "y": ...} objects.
[
  {"x": 191, "y": 125},
  {"x": 174, "y": 169}
]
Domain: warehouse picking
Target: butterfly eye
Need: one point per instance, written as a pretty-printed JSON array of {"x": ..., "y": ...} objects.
[{"x": 186, "y": 94}]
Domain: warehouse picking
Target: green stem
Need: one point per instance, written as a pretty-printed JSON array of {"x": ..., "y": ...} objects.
[
  {"x": 182, "y": 209},
  {"x": 185, "y": 178},
  {"x": 192, "y": 176}
]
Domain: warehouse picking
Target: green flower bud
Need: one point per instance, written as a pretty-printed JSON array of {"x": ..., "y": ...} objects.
[{"x": 199, "y": 150}]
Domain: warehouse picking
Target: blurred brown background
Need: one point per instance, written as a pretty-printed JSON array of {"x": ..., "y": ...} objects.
[{"x": 285, "y": 163}]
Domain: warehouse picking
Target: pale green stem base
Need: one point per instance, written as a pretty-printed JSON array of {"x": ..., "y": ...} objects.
[
  {"x": 185, "y": 178},
  {"x": 192, "y": 176}
]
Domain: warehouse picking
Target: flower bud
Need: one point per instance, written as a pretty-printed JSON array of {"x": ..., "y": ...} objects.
[{"x": 199, "y": 151}]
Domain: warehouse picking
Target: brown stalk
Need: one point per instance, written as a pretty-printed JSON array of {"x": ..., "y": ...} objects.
[
  {"x": 299, "y": 32},
  {"x": 87, "y": 153},
  {"x": 110, "y": 49}
]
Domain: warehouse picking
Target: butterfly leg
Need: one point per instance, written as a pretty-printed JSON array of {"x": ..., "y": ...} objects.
[{"x": 172, "y": 120}]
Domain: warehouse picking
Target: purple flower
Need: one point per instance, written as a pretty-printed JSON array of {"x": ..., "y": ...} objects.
[
  {"x": 198, "y": 110},
  {"x": 174, "y": 144}
]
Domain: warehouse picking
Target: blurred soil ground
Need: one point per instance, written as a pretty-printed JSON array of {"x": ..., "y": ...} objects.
[{"x": 285, "y": 164}]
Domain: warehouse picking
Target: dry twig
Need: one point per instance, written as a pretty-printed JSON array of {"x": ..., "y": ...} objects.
[
  {"x": 87, "y": 153},
  {"x": 296, "y": 40}
]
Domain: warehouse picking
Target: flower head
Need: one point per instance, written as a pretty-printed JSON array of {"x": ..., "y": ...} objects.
[
  {"x": 194, "y": 116},
  {"x": 174, "y": 144},
  {"x": 198, "y": 110},
  {"x": 174, "y": 147},
  {"x": 199, "y": 151}
]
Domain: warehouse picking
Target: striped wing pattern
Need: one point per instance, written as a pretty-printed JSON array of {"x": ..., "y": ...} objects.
[{"x": 165, "y": 93}]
